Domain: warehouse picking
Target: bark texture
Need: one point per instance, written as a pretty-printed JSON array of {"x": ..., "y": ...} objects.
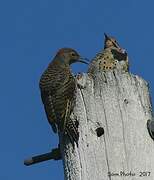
[{"x": 120, "y": 104}]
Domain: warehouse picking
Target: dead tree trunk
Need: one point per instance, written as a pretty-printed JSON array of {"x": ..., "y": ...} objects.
[{"x": 120, "y": 104}]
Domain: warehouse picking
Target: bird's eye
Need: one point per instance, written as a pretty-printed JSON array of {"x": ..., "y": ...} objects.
[{"x": 73, "y": 54}]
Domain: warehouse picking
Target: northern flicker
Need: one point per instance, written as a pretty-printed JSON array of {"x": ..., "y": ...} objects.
[
  {"x": 111, "y": 57},
  {"x": 58, "y": 86}
]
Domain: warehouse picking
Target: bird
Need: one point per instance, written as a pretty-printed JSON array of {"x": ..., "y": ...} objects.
[
  {"x": 111, "y": 57},
  {"x": 58, "y": 86}
]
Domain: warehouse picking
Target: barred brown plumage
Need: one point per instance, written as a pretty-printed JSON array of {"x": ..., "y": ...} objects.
[{"x": 57, "y": 86}]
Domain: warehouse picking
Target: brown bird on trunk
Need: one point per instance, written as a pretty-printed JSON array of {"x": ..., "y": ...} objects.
[{"x": 58, "y": 85}]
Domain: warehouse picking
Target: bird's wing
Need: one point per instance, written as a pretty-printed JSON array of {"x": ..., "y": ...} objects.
[
  {"x": 50, "y": 81},
  {"x": 64, "y": 102},
  {"x": 57, "y": 89},
  {"x": 64, "y": 98}
]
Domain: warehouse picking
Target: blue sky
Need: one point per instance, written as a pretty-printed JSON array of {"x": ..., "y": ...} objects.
[{"x": 31, "y": 32}]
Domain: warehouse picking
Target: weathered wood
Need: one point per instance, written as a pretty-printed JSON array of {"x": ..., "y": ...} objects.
[{"x": 120, "y": 103}]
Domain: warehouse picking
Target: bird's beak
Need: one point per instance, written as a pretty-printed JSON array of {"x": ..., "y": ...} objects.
[{"x": 83, "y": 60}]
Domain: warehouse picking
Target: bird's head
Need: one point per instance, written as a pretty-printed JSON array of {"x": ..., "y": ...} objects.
[
  {"x": 69, "y": 56},
  {"x": 110, "y": 42}
]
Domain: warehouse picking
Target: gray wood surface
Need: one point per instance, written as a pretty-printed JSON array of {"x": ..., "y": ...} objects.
[{"x": 120, "y": 103}]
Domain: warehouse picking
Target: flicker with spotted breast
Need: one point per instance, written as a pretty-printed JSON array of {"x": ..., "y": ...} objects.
[
  {"x": 111, "y": 57},
  {"x": 58, "y": 86}
]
